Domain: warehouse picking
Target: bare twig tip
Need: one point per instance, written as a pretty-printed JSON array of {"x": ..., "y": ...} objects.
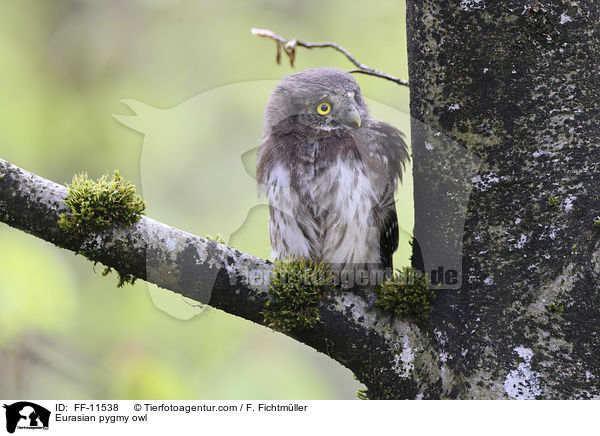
[{"x": 263, "y": 32}]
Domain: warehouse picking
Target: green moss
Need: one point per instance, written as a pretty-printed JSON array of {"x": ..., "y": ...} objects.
[
  {"x": 362, "y": 394},
  {"x": 553, "y": 201},
  {"x": 407, "y": 293},
  {"x": 556, "y": 306},
  {"x": 597, "y": 222},
  {"x": 297, "y": 287},
  {"x": 217, "y": 238},
  {"x": 100, "y": 204},
  {"x": 123, "y": 278},
  {"x": 96, "y": 205}
]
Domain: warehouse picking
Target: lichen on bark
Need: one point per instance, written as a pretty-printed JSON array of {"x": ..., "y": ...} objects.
[{"x": 515, "y": 83}]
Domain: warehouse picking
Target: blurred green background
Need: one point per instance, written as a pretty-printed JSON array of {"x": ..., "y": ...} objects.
[{"x": 196, "y": 82}]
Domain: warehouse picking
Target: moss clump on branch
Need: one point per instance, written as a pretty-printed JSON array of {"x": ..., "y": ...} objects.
[
  {"x": 100, "y": 204},
  {"x": 362, "y": 394},
  {"x": 556, "y": 306},
  {"x": 123, "y": 278},
  {"x": 407, "y": 293},
  {"x": 297, "y": 287},
  {"x": 96, "y": 205},
  {"x": 218, "y": 238},
  {"x": 553, "y": 201}
]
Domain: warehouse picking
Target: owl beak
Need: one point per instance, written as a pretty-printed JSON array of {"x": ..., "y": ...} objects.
[{"x": 353, "y": 117}]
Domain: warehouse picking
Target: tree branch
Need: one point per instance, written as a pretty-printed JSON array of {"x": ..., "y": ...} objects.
[
  {"x": 381, "y": 351},
  {"x": 289, "y": 47}
]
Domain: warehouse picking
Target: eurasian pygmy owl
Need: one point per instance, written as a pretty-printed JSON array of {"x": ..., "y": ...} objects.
[{"x": 329, "y": 172}]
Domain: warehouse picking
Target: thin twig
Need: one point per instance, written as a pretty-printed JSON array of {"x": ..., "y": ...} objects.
[{"x": 289, "y": 47}]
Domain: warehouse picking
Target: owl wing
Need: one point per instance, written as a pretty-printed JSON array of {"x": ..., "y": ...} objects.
[
  {"x": 386, "y": 144},
  {"x": 388, "y": 232}
]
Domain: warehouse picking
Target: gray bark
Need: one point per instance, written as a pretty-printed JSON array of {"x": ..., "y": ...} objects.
[{"x": 515, "y": 83}]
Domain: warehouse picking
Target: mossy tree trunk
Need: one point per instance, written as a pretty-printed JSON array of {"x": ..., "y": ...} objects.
[{"x": 515, "y": 84}]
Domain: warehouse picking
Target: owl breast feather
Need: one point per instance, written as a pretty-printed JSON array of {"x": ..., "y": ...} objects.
[{"x": 321, "y": 200}]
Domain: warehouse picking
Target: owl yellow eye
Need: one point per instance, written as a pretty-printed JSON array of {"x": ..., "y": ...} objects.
[{"x": 323, "y": 108}]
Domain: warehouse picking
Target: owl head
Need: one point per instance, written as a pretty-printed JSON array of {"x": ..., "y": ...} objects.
[{"x": 321, "y": 98}]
